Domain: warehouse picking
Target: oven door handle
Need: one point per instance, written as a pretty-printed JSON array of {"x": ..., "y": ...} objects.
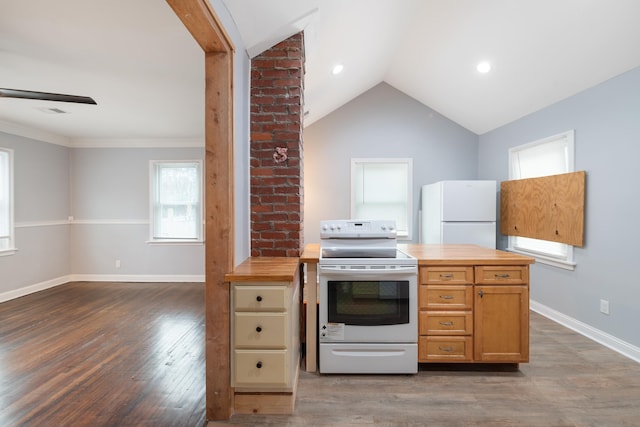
[{"x": 368, "y": 274}]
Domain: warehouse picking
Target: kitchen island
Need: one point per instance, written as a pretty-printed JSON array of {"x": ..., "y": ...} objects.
[{"x": 473, "y": 304}]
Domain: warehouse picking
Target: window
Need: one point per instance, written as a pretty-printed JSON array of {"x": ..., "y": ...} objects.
[
  {"x": 381, "y": 189},
  {"x": 176, "y": 201},
  {"x": 548, "y": 156},
  {"x": 6, "y": 202}
]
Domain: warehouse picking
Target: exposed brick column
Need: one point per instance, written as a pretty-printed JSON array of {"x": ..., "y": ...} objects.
[{"x": 277, "y": 82}]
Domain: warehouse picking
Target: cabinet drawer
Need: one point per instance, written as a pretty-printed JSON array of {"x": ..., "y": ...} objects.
[
  {"x": 449, "y": 274},
  {"x": 502, "y": 275},
  {"x": 445, "y": 323},
  {"x": 444, "y": 297},
  {"x": 260, "y": 298},
  {"x": 445, "y": 349},
  {"x": 266, "y": 368},
  {"x": 260, "y": 330}
]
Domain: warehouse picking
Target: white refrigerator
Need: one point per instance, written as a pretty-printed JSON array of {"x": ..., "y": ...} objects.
[{"x": 459, "y": 212}]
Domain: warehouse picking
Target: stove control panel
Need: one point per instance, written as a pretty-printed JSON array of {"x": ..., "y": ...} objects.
[{"x": 347, "y": 228}]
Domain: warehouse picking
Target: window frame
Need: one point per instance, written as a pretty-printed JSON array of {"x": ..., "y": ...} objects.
[
  {"x": 154, "y": 167},
  {"x": 514, "y": 244},
  {"x": 408, "y": 161},
  {"x": 10, "y": 248}
]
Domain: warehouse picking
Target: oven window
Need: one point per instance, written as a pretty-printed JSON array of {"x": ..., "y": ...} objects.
[{"x": 368, "y": 303}]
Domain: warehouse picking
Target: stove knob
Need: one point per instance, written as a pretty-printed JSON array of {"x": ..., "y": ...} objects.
[
  {"x": 332, "y": 227},
  {"x": 324, "y": 227},
  {"x": 384, "y": 227}
]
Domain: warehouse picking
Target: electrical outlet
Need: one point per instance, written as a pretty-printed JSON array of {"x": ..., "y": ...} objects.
[
  {"x": 604, "y": 306},
  {"x": 117, "y": 263}
]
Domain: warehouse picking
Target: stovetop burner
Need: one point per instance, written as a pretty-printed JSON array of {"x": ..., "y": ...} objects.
[{"x": 400, "y": 258}]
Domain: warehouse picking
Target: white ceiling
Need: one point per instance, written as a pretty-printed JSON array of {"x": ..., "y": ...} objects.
[{"x": 139, "y": 63}]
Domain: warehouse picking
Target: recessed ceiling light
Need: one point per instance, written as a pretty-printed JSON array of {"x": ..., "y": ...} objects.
[
  {"x": 483, "y": 67},
  {"x": 337, "y": 69}
]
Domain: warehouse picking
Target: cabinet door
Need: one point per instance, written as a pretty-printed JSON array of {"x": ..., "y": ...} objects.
[{"x": 501, "y": 322}]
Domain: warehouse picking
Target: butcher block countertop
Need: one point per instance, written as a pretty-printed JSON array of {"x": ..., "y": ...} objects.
[
  {"x": 434, "y": 254},
  {"x": 282, "y": 269}
]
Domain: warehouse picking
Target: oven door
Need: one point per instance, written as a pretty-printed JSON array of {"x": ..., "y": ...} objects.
[{"x": 368, "y": 304}]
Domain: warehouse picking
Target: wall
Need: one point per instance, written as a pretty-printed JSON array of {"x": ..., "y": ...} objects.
[
  {"x": 241, "y": 132},
  {"x": 42, "y": 206},
  {"x": 607, "y": 131},
  {"x": 382, "y": 122},
  {"x": 110, "y": 206}
]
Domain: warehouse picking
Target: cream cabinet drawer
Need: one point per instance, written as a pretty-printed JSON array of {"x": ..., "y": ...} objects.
[
  {"x": 260, "y": 330},
  {"x": 444, "y": 297},
  {"x": 260, "y": 298},
  {"x": 445, "y": 349},
  {"x": 452, "y": 275},
  {"x": 445, "y": 323},
  {"x": 502, "y": 275},
  {"x": 266, "y": 368}
]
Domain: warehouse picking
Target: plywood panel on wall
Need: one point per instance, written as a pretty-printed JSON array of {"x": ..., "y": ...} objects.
[{"x": 547, "y": 208}]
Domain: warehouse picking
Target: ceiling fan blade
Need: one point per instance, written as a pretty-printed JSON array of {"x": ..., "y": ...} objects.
[{"x": 28, "y": 94}]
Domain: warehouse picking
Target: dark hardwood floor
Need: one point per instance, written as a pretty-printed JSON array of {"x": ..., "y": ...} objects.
[
  {"x": 132, "y": 354},
  {"x": 104, "y": 354}
]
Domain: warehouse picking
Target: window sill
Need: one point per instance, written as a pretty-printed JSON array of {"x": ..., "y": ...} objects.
[
  {"x": 197, "y": 242},
  {"x": 555, "y": 262},
  {"x": 8, "y": 252}
]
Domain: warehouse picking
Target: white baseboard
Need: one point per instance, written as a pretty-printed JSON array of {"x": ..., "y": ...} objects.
[
  {"x": 17, "y": 293},
  {"x": 136, "y": 278},
  {"x": 615, "y": 344}
]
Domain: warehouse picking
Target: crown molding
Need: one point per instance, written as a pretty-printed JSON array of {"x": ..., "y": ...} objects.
[
  {"x": 32, "y": 133},
  {"x": 138, "y": 143}
]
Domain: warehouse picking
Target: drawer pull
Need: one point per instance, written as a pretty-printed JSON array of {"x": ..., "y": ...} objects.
[
  {"x": 259, "y": 329},
  {"x": 446, "y": 276},
  {"x": 259, "y": 365},
  {"x": 448, "y": 323},
  {"x": 259, "y": 298},
  {"x": 445, "y": 349},
  {"x": 446, "y": 297},
  {"x": 502, "y": 276}
]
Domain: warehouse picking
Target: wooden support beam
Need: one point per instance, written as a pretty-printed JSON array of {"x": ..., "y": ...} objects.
[{"x": 206, "y": 29}]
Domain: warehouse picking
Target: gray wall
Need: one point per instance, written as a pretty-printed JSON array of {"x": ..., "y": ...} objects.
[
  {"x": 110, "y": 206},
  {"x": 382, "y": 122},
  {"x": 41, "y": 199},
  {"x": 606, "y": 120}
]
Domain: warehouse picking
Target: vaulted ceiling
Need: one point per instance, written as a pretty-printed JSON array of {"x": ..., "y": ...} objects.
[{"x": 146, "y": 73}]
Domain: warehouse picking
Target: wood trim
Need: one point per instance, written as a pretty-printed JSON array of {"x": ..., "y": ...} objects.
[
  {"x": 548, "y": 208},
  {"x": 203, "y": 24},
  {"x": 205, "y": 27}
]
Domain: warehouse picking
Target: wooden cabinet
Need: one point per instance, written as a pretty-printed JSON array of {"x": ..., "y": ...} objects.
[
  {"x": 445, "y": 320},
  {"x": 474, "y": 313},
  {"x": 501, "y": 314}
]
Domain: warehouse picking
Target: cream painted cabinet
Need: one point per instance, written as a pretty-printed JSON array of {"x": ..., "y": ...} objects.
[{"x": 265, "y": 336}]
